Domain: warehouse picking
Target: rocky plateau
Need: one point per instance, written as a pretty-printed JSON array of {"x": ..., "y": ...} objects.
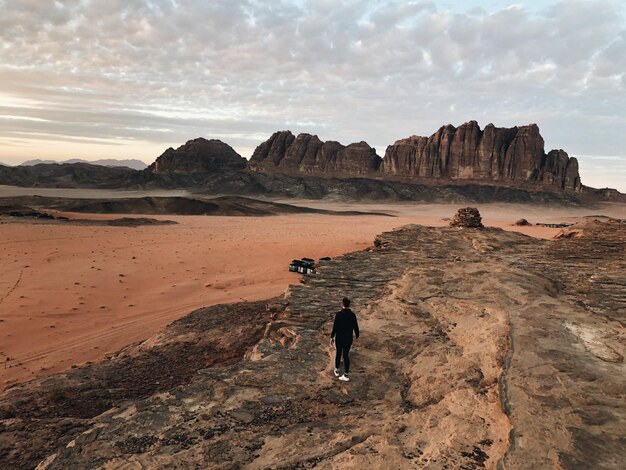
[{"x": 480, "y": 348}]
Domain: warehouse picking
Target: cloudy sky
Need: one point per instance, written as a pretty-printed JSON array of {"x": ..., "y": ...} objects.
[{"x": 129, "y": 78}]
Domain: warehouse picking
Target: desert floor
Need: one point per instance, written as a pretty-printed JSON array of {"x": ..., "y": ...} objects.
[{"x": 72, "y": 294}]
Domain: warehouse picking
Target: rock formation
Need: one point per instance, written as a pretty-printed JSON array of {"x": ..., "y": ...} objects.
[
  {"x": 607, "y": 194},
  {"x": 199, "y": 156},
  {"x": 306, "y": 153},
  {"x": 505, "y": 156},
  {"x": 507, "y": 357},
  {"x": 468, "y": 217},
  {"x": 502, "y": 156},
  {"x": 454, "y": 164}
]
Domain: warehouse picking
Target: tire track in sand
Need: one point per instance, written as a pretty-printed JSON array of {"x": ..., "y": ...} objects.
[{"x": 12, "y": 289}]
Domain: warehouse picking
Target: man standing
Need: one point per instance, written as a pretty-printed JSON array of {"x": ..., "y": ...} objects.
[{"x": 345, "y": 323}]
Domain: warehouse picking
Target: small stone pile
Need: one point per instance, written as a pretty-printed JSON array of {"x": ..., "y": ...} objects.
[
  {"x": 467, "y": 217},
  {"x": 522, "y": 222}
]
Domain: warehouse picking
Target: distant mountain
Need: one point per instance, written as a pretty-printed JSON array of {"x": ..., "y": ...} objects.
[
  {"x": 131, "y": 163},
  {"x": 70, "y": 175},
  {"x": 38, "y": 162},
  {"x": 199, "y": 156},
  {"x": 464, "y": 164}
]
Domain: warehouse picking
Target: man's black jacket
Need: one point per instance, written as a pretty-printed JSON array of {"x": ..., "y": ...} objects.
[{"x": 345, "y": 323}]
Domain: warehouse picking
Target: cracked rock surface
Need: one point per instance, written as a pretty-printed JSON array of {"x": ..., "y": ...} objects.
[{"x": 480, "y": 348}]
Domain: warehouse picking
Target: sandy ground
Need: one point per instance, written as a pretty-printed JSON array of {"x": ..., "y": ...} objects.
[{"x": 72, "y": 294}]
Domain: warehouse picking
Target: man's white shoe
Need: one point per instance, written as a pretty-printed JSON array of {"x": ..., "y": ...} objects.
[
  {"x": 344, "y": 378},
  {"x": 336, "y": 372}
]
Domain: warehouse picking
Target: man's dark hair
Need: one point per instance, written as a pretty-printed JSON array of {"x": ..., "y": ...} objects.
[{"x": 346, "y": 302}]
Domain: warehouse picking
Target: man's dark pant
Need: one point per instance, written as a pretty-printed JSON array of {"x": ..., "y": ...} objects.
[{"x": 343, "y": 349}]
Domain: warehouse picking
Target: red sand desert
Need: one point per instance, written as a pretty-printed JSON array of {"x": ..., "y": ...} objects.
[{"x": 71, "y": 294}]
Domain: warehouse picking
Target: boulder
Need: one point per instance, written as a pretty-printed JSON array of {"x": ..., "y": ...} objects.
[{"x": 468, "y": 217}]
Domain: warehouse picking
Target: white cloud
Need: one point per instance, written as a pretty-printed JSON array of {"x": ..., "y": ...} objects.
[{"x": 600, "y": 171}]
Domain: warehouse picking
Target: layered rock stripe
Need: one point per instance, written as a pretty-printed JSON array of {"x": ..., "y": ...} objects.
[{"x": 479, "y": 348}]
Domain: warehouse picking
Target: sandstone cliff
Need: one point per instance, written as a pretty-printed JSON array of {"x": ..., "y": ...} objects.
[
  {"x": 199, "y": 156},
  {"x": 306, "y": 153},
  {"x": 512, "y": 156},
  {"x": 501, "y": 156}
]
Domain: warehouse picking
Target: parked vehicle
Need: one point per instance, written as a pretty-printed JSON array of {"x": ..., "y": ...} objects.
[
  {"x": 302, "y": 266},
  {"x": 295, "y": 265}
]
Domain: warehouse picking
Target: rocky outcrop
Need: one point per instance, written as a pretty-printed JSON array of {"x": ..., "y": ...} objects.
[
  {"x": 469, "y": 217},
  {"x": 505, "y": 156},
  {"x": 561, "y": 170},
  {"x": 479, "y": 349},
  {"x": 604, "y": 194},
  {"x": 285, "y": 153},
  {"x": 199, "y": 156}
]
